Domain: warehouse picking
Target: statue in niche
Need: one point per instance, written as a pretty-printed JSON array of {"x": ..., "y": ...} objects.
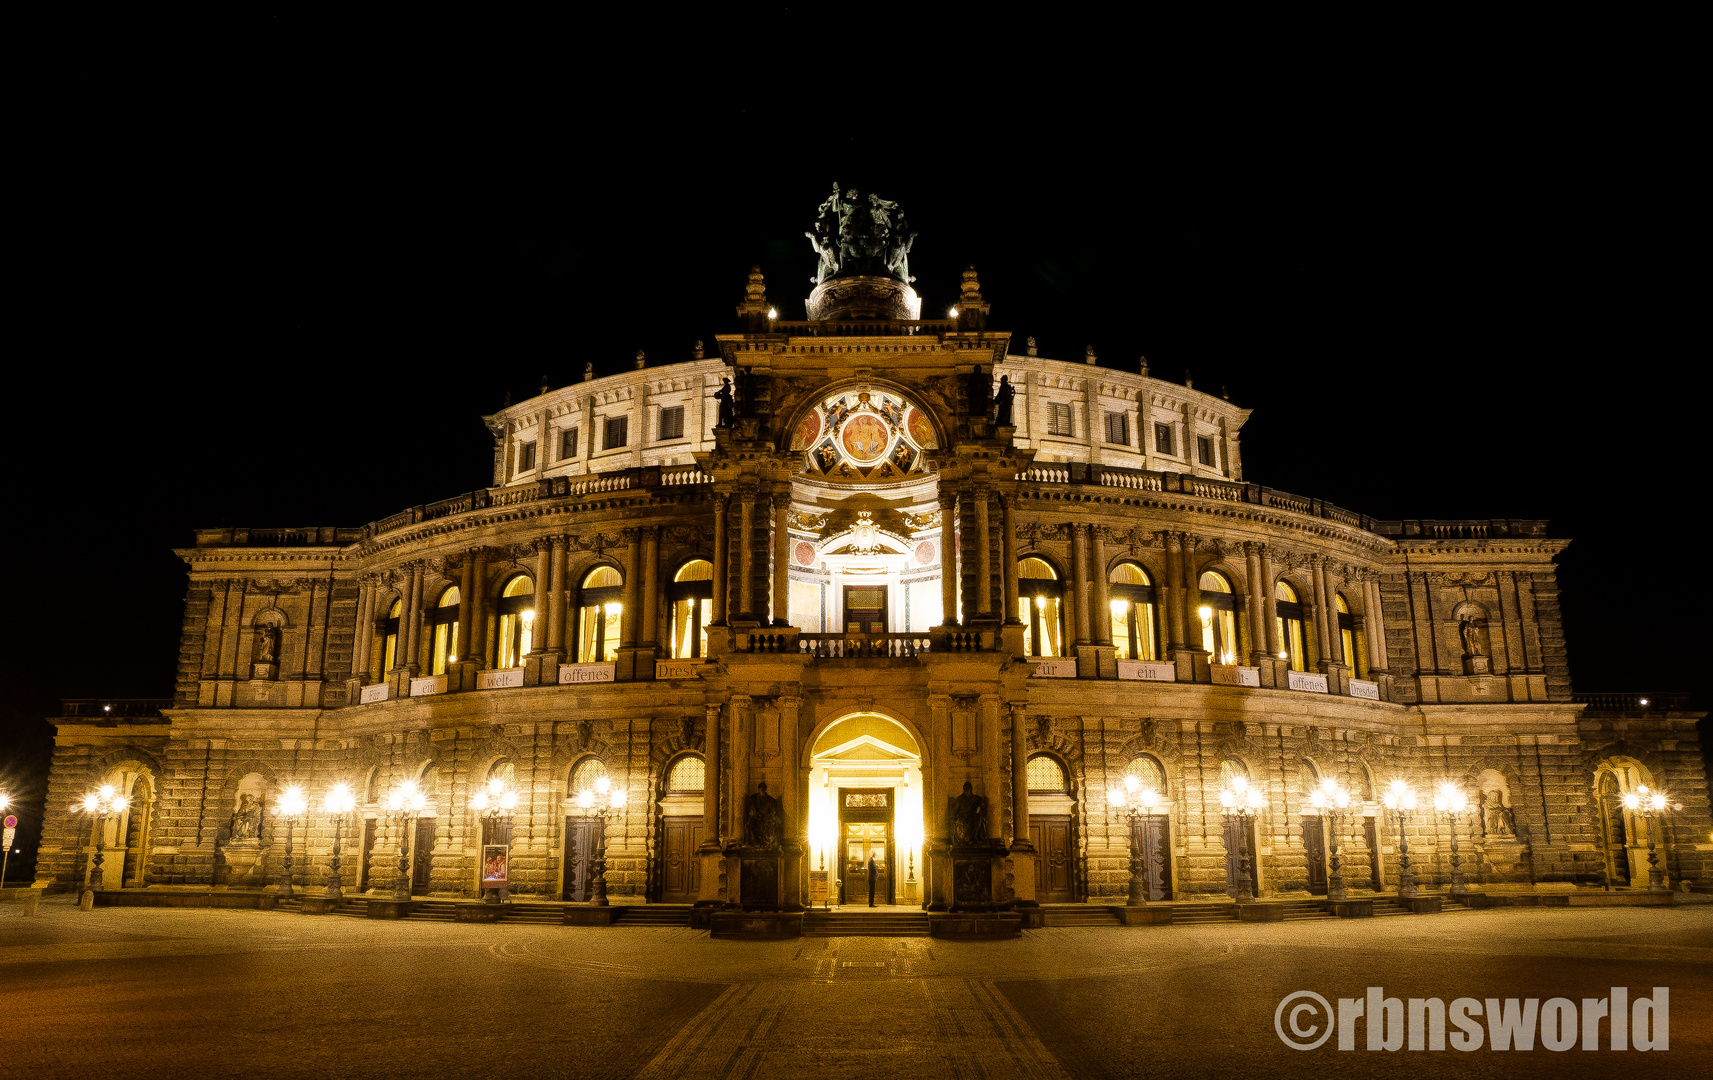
[
  {"x": 267, "y": 644},
  {"x": 1501, "y": 819},
  {"x": 1002, "y": 402},
  {"x": 969, "y": 817},
  {"x": 247, "y": 818},
  {"x": 763, "y": 819},
  {"x": 724, "y": 396},
  {"x": 1474, "y": 633}
]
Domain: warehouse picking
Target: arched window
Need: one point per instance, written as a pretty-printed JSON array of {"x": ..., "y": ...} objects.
[
  {"x": 1290, "y": 625},
  {"x": 1046, "y": 776},
  {"x": 517, "y": 617},
  {"x": 371, "y": 786},
  {"x": 503, "y": 771},
  {"x": 1039, "y": 592},
  {"x": 1218, "y": 618},
  {"x": 687, "y": 776},
  {"x": 445, "y": 618},
  {"x": 691, "y": 595},
  {"x": 390, "y": 634},
  {"x": 585, "y": 776},
  {"x": 599, "y": 607},
  {"x": 1148, "y": 773},
  {"x": 1231, "y": 771},
  {"x": 1347, "y": 632},
  {"x": 1131, "y": 595}
]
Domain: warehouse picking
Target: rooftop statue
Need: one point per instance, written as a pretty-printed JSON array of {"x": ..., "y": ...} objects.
[{"x": 852, "y": 238}]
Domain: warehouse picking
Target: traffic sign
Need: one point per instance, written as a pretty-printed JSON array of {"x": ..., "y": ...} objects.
[{"x": 11, "y": 821}]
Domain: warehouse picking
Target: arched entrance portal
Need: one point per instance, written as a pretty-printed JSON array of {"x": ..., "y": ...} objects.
[{"x": 865, "y": 801}]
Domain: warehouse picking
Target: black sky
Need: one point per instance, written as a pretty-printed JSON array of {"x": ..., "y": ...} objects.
[{"x": 273, "y": 273}]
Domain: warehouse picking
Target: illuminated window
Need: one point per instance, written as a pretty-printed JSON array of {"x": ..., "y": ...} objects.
[
  {"x": 1290, "y": 625},
  {"x": 691, "y": 595},
  {"x": 1046, "y": 775},
  {"x": 1347, "y": 634},
  {"x": 390, "y": 632},
  {"x": 1231, "y": 771},
  {"x": 445, "y": 620},
  {"x": 584, "y": 777},
  {"x": 600, "y": 604},
  {"x": 1039, "y": 592},
  {"x": 1217, "y": 613},
  {"x": 1131, "y": 596},
  {"x": 689, "y": 773},
  {"x": 1148, "y": 773},
  {"x": 517, "y": 617}
]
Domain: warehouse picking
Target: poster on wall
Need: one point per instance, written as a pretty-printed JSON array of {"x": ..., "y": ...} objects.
[
  {"x": 818, "y": 891},
  {"x": 494, "y": 860}
]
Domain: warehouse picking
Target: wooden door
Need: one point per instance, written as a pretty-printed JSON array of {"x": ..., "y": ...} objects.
[
  {"x": 580, "y": 834},
  {"x": 1235, "y": 850},
  {"x": 681, "y": 873},
  {"x": 422, "y": 857},
  {"x": 1371, "y": 837},
  {"x": 1156, "y": 855},
  {"x": 1314, "y": 853},
  {"x": 1051, "y": 835},
  {"x": 865, "y": 613},
  {"x": 862, "y": 839},
  {"x": 367, "y": 850}
]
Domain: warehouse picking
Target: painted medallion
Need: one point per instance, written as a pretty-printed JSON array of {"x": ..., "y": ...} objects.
[
  {"x": 808, "y": 430},
  {"x": 865, "y": 437},
  {"x": 920, "y": 430}
]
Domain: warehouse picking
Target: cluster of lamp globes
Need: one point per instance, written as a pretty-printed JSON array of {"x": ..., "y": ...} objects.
[
  {"x": 603, "y": 797},
  {"x": 293, "y": 801},
  {"x": 1134, "y": 793},
  {"x": 1647, "y": 801}
]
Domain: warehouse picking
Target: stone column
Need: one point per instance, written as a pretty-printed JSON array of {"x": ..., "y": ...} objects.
[
  {"x": 1173, "y": 590},
  {"x": 742, "y": 707},
  {"x": 1079, "y": 562},
  {"x": 466, "y": 602},
  {"x": 1270, "y": 604},
  {"x": 556, "y": 604},
  {"x": 1019, "y": 781},
  {"x": 746, "y": 556},
  {"x": 633, "y": 558},
  {"x": 988, "y": 718},
  {"x": 650, "y": 586},
  {"x": 781, "y": 558},
  {"x": 364, "y": 640},
  {"x": 1334, "y": 651},
  {"x": 722, "y": 569},
  {"x": 478, "y": 609},
  {"x": 1101, "y": 615},
  {"x": 1009, "y": 553},
  {"x": 984, "y": 551},
  {"x": 949, "y": 557},
  {"x": 1377, "y": 658},
  {"x": 1257, "y": 609},
  {"x": 411, "y": 632},
  {"x": 1192, "y": 595},
  {"x": 711, "y": 780},
  {"x": 1317, "y": 581},
  {"x": 543, "y": 584}
]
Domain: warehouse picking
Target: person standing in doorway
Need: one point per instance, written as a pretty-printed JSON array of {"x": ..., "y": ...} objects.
[{"x": 873, "y": 872}]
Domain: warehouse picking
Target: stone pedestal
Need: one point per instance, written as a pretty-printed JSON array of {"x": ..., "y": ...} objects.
[
  {"x": 480, "y": 913},
  {"x": 1261, "y": 911},
  {"x": 542, "y": 668},
  {"x": 1352, "y": 909},
  {"x": 1421, "y": 905},
  {"x": 1478, "y": 665},
  {"x": 390, "y": 909},
  {"x": 595, "y": 916},
  {"x": 977, "y": 872},
  {"x": 1143, "y": 915},
  {"x": 318, "y": 905}
]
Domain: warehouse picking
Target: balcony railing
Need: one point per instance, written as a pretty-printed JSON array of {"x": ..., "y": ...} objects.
[
  {"x": 1642, "y": 702},
  {"x": 863, "y": 646},
  {"x": 107, "y": 708}
]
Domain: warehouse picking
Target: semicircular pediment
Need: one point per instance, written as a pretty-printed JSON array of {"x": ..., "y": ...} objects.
[{"x": 864, "y": 434}]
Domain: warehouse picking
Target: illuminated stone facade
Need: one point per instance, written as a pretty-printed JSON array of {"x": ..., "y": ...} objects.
[{"x": 769, "y": 597}]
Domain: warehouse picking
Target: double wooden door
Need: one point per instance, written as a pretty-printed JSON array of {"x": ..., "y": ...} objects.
[
  {"x": 1240, "y": 855},
  {"x": 1154, "y": 845},
  {"x": 580, "y": 837},
  {"x": 1051, "y": 835},
  {"x": 422, "y": 857},
  {"x": 681, "y": 871},
  {"x": 862, "y": 840},
  {"x": 1371, "y": 837},
  {"x": 1314, "y": 853},
  {"x": 865, "y": 610}
]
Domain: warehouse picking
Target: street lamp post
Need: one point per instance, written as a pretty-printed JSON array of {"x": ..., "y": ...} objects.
[
  {"x": 405, "y": 801},
  {"x": 292, "y": 803},
  {"x": 1401, "y": 799},
  {"x": 1650, "y": 805},
  {"x": 102, "y": 805},
  {"x": 495, "y": 804},
  {"x": 5, "y": 804},
  {"x": 1245, "y": 802},
  {"x": 605, "y": 799},
  {"x": 1137, "y": 802},
  {"x": 1329, "y": 799},
  {"x": 339, "y": 803},
  {"x": 1451, "y": 801}
]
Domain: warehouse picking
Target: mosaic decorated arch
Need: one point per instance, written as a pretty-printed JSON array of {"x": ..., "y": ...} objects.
[{"x": 864, "y": 434}]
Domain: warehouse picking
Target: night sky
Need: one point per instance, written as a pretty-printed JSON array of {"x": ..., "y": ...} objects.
[{"x": 280, "y": 288}]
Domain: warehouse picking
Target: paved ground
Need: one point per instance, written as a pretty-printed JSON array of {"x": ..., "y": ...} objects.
[{"x": 172, "y": 993}]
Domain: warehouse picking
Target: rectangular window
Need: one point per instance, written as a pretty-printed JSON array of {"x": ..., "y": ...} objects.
[
  {"x": 1204, "y": 449},
  {"x": 1058, "y": 418},
  {"x": 526, "y": 457},
  {"x": 672, "y": 423},
  {"x": 1118, "y": 428},
  {"x": 568, "y": 444},
  {"x": 618, "y": 431},
  {"x": 1162, "y": 438}
]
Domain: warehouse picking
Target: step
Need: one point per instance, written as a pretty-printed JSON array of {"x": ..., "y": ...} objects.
[{"x": 653, "y": 915}]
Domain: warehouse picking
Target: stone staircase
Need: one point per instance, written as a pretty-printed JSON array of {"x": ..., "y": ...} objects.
[
  {"x": 865, "y": 924},
  {"x": 534, "y": 914},
  {"x": 652, "y": 915},
  {"x": 434, "y": 911},
  {"x": 1305, "y": 910},
  {"x": 1387, "y": 905},
  {"x": 1191, "y": 914},
  {"x": 1078, "y": 915}
]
